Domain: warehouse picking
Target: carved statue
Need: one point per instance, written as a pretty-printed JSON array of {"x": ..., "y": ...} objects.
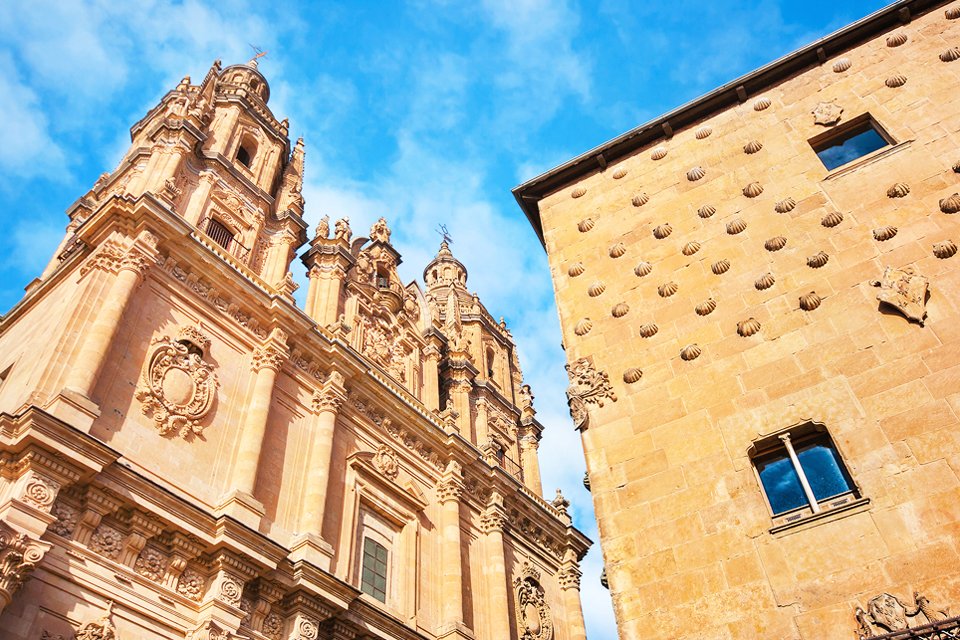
[
  {"x": 379, "y": 232},
  {"x": 342, "y": 230},
  {"x": 526, "y": 396},
  {"x": 102, "y": 629},
  {"x": 323, "y": 228},
  {"x": 560, "y": 503}
]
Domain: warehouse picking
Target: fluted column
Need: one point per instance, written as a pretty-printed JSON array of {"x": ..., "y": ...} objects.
[
  {"x": 326, "y": 403},
  {"x": 492, "y": 525},
  {"x": 448, "y": 493},
  {"x": 431, "y": 377},
  {"x": 530, "y": 460},
  {"x": 569, "y": 579}
]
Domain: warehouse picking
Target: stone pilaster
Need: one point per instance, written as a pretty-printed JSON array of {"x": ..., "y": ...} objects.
[
  {"x": 569, "y": 579},
  {"x": 530, "y": 460},
  {"x": 449, "y": 490},
  {"x": 492, "y": 525}
]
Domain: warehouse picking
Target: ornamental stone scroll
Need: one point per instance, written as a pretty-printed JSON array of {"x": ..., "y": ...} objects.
[
  {"x": 587, "y": 386},
  {"x": 534, "y": 620}
]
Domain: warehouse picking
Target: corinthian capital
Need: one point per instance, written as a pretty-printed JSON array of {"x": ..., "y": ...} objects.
[
  {"x": 19, "y": 555},
  {"x": 137, "y": 261},
  {"x": 331, "y": 396},
  {"x": 270, "y": 356}
]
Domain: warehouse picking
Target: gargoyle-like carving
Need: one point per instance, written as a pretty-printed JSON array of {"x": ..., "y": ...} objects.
[
  {"x": 827, "y": 113},
  {"x": 905, "y": 290},
  {"x": 534, "y": 621},
  {"x": 101, "y": 629},
  {"x": 886, "y": 613},
  {"x": 587, "y": 386},
  {"x": 178, "y": 386}
]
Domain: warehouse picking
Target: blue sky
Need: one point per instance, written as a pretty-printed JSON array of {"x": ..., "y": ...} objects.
[{"x": 425, "y": 112}]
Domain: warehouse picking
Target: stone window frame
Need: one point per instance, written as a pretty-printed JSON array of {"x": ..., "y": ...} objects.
[
  {"x": 839, "y": 131},
  {"x": 828, "y": 508}
]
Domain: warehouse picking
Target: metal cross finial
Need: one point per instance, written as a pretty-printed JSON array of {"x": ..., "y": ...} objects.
[{"x": 444, "y": 233}]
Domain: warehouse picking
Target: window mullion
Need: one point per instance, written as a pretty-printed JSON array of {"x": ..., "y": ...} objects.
[{"x": 785, "y": 438}]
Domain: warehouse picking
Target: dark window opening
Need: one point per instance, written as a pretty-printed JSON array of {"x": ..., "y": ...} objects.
[
  {"x": 849, "y": 142},
  {"x": 373, "y": 579},
  {"x": 243, "y": 156},
  {"x": 219, "y": 233},
  {"x": 491, "y": 359}
]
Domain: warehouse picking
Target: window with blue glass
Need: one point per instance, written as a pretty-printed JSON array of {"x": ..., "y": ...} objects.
[
  {"x": 846, "y": 143},
  {"x": 803, "y": 471}
]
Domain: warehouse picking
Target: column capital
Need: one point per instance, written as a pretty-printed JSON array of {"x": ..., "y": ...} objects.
[
  {"x": 569, "y": 577},
  {"x": 269, "y": 356},
  {"x": 331, "y": 396},
  {"x": 449, "y": 489}
]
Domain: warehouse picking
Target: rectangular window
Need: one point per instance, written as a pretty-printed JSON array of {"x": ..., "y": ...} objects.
[
  {"x": 850, "y": 141},
  {"x": 219, "y": 233},
  {"x": 373, "y": 577}
]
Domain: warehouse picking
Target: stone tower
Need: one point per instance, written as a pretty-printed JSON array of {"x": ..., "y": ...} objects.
[{"x": 186, "y": 453}]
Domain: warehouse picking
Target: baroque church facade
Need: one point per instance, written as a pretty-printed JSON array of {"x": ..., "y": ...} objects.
[
  {"x": 760, "y": 299},
  {"x": 188, "y": 454}
]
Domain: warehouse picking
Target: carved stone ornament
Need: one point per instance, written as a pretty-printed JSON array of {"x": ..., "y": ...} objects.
[
  {"x": 534, "y": 621},
  {"x": 386, "y": 462},
  {"x": 827, "y": 113},
  {"x": 587, "y": 386},
  {"x": 101, "y": 629},
  {"x": 178, "y": 385},
  {"x": 905, "y": 290},
  {"x": 886, "y": 613},
  {"x": 19, "y": 556}
]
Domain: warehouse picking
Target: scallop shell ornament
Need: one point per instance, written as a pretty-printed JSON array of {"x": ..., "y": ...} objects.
[
  {"x": 695, "y": 174},
  {"x": 737, "y": 225},
  {"x": 619, "y": 173},
  {"x": 898, "y": 190},
  {"x": 748, "y": 327},
  {"x": 956, "y": 167},
  {"x": 896, "y": 39},
  {"x": 667, "y": 290},
  {"x": 596, "y": 289},
  {"x": 950, "y": 204},
  {"x": 945, "y": 249},
  {"x": 817, "y": 260},
  {"x": 642, "y": 269},
  {"x": 765, "y": 282},
  {"x": 951, "y": 54},
  {"x": 617, "y": 250},
  {"x": 690, "y": 248},
  {"x": 659, "y": 153},
  {"x": 752, "y": 147},
  {"x": 884, "y": 233},
  {"x": 583, "y": 327},
  {"x": 578, "y": 192},
  {"x": 785, "y": 206},
  {"x": 810, "y": 301},
  {"x": 639, "y": 199},
  {"x": 753, "y": 189},
  {"x": 632, "y": 375},
  {"x": 585, "y": 225},
  {"x": 576, "y": 269},
  {"x": 761, "y": 103},
  {"x": 952, "y": 13},
  {"x": 720, "y": 266},
  {"x": 842, "y": 65},
  {"x": 706, "y": 307},
  {"x": 832, "y": 219},
  {"x": 690, "y": 352},
  {"x": 662, "y": 231},
  {"x": 620, "y": 309},
  {"x": 775, "y": 244},
  {"x": 706, "y": 211},
  {"x": 648, "y": 330},
  {"x": 895, "y": 81},
  {"x": 703, "y": 132}
]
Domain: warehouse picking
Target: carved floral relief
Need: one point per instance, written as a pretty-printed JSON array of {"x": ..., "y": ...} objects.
[{"x": 885, "y": 613}]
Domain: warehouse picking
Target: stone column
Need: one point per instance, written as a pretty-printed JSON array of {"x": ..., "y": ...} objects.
[
  {"x": 530, "y": 460},
  {"x": 492, "y": 526},
  {"x": 569, "y": 579},
  {"x": 199, "y": 198},
  {"x": 448, "y": 493},
  {"x": 326, "y": 403},
  {"x": 278, "y": 259},
  {"x": 431, "y": 377}
]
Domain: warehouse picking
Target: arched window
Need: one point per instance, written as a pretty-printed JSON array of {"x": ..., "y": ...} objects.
[{"x": 491, "y": 361}]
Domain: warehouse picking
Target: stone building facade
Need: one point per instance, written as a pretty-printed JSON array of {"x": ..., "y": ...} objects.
[
  {"x": 760, "y": 303},
  {"x": 188, "y": 454}
]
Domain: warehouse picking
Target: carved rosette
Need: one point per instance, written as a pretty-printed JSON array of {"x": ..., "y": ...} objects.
[
  {"x": 40, "y": 492},
  {"x": 178, "y": 385},
  {"x": 191, "y": 585},
  {"x": 230, "y": 591},
  {"x": 587, "y": 386},
  {"x": 534, "y": 621},
  {"x": 385, "y": 460},
  {"x": 19, "y": 555},
  {"x": 151, "y": 564}
]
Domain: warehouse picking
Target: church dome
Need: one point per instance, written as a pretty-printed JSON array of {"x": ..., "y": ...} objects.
[
  {"x": 246, "y": 78},
  {"x": 444, "y": 270}
]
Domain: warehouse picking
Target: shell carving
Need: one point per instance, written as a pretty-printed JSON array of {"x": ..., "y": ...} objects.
[
  {"x": 640, "y": 199},
  {"x": 818, "y": 260},
  {"x": 632, "y": 375},
  {"x": 832, "y": 219},
  {"x": 752, "y": 147},
  {"x": 659, "y": 153},
  {"x": 642, "y": 269},
  {"x": 706, "y": 211},
  {"x": 619, "y": 173},
  {"x": 945, "y": 249},
  {"x": 620, "y": 309},
  {"x": 690, "y": 248},
  {"x": 775, "y": 244},
  {"x": 576, "y": 269},
  {"x": 748, "y": 327},
  {"x": 703, "y": 132},
  {"x": 720, "y": 266},
  {"x": 596, "y": 289},
  {"x": 896, "y": 81},
  {"x": 706, "y": 307},
  {"x": 585, "y": 225},
  {"x": 662, "y": 231},
  {"x": 753, "y": 189},
  {"x": 952, "y": 13},
  {"x": 765, "y": 282},
  {"x": 583, "y": 327},
  {"x": 695, "y": 174},
  {"x": 617, "y": 250},
  {"x": 842, "y": 65},
  {"x": 950, "y": 204},
  {"x": 738, "y": 225},
  {"x": 578, "y": 192},
  {"x": 785, "y": 206},
  {"x": 884, "y": 233},
  {"x": 667, "y": 290},
  {"x": 761, "y": 103},
  {"x": 690, "y": 352},
  {"x": 896, "y": 39},
  {"x": 810, "y": 301},
  {"x": 951, "y": 54},
  {"x": 956, "y": 167},
  {"x": 898, "y": 190},
  {"x": 648, "y": 330}
]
